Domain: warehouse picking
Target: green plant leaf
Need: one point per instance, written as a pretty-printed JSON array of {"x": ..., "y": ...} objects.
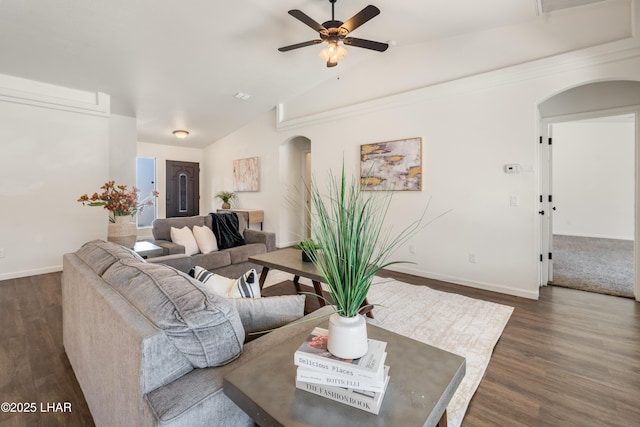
[{"x": 348, "y": 225}]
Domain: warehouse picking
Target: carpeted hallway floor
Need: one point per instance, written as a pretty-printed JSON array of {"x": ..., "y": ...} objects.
[{"x": 592, "y": 264}]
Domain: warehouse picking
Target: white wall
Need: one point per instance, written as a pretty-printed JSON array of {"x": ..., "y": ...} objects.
[
  {"x": 471, "y": 128},
  {"x": 292, "y": 175},
  {"x": 218, "y": 171},
  {"x": 593, "y": 179},
  {"x": 50, "y": 154},
  {"x": 123, "y": 136}
]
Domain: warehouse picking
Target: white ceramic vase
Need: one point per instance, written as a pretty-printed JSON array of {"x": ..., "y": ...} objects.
[
  {"x": 123, "y": 231},
  {"x": 347, "y": 336}
]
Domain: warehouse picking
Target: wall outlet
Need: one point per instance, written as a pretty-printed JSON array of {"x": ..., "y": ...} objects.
[
  {"x": 472, "y": 258},
  {"x": 1, "y": 252},
  {"x": 412, "y": 249}
]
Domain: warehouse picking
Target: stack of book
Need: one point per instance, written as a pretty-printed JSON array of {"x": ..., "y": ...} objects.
[{"x": 360, "y": 382}]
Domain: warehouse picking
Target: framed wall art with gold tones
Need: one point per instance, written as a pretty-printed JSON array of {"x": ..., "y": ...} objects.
[{"x": 392, "y": 165}]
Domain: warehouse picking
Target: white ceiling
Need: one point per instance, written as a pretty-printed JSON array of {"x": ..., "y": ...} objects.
[{"x": 177, "y": 64}]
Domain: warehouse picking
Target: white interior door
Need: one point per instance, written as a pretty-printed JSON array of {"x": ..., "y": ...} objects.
[
  {"x": 545, "y": 205},
  {"x": 548, "y": 200}
]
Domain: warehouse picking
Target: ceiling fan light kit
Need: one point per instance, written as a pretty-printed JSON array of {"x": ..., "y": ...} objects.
[
  {"x": 333, "y": 53},
  {"x": 334, "y": 31}
]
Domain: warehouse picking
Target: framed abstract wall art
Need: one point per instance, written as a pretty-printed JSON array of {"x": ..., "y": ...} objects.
[
  {"x": 246, "y": 174},
  {"x": 392, "y": 165}
]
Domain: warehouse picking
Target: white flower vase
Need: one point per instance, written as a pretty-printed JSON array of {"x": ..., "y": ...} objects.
[
  {"x": 347, "y": 336},
  {"x": 123, "y": 231}
]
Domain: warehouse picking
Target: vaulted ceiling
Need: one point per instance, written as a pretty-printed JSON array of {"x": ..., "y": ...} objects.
[{"x": 178, "y": 64}]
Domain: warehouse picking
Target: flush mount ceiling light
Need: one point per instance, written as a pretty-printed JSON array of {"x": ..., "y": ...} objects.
[
  {"x": 334, "y": 31},
  {"x": 181, "y": 134}
]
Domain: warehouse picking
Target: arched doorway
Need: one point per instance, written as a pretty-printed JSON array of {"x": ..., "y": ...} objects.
[
  {"x": 600, "y": 105},
  {"x": 295, "y": 174}
]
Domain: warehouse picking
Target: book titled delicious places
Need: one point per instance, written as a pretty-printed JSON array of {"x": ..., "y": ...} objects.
[{"x": 313, "y": 354}]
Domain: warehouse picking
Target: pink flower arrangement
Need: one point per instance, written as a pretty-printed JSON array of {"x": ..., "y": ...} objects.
[{"x": 118, "y": 200}]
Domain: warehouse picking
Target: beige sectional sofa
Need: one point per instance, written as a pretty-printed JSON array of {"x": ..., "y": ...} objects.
[
  {"x": 150, "y": 346},
  {"x": 231, "y": 262}
]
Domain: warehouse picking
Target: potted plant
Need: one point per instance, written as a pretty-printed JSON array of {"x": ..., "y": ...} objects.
[
  {"x": 123, "y": 205},
  {"x": 348, "y": 225},
  {"x": 226, "y": 197},
  {"x": 308, "y": 246}
]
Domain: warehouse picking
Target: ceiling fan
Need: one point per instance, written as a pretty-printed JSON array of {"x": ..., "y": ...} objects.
[{"x": 334, "y": 31}]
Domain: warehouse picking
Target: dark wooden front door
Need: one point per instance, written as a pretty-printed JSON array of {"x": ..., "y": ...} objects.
[{"x": 183, "y": 189}]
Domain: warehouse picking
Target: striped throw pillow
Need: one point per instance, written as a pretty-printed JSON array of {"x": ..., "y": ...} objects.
[{"x": 246, "y": 286}]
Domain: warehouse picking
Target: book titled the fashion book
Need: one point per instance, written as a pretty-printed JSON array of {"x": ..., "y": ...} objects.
[
  {"x": 326, "y": 378},
  {"x": 313, "y": 354},
  {"x": 366, "y": 400}
]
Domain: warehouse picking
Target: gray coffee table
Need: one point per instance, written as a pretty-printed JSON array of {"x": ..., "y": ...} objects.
[{"x": 422, "y": 381}]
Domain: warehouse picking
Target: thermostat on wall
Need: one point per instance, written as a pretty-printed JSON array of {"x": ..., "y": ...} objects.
[{"x": 514, "y": 168}]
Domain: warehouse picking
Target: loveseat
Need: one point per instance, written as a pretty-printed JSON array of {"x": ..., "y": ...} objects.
[
  {"x": 229, "y": 262},
  {"x": 150, "y": 345}
]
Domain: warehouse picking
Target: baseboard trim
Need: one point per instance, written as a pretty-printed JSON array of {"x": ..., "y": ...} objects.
[
  {"x": 492, "y": 287},
  {"x": 33, "y": 272},
  {"x": 594, "y": 235},
  {"x": 282, "y": 245}
]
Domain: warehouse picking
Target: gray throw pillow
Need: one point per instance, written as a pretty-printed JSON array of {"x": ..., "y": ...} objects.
[
  {"x": 204, "y": 326},
  {"x": 100, "y": 255},
  {"x": 261, "y": 314}
]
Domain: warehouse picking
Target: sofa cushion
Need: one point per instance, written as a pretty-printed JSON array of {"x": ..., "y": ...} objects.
[
  {"x": 242, "y": 253},
  {"x": 212, "y": 260},
  {"x": 100, "y": 255},
  {"x": 184, "y": 236},
  {"x": 205, "y": 239},
  {"x": 175, "y": 401},
  {"x": 162, "y": 226},
  {"x": 262, "y": 314},
  {"x": 205, "y": 327}
]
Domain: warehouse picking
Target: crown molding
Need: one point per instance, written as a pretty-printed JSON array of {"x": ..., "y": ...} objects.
[
  {"x": 21, "y": 91},
  {"x": 497, "y": 77}
]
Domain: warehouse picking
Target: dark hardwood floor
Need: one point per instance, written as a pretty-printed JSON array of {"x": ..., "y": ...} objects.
[
  {"x": 570, "y": 359},
  {"x": 34, "y": 368}
]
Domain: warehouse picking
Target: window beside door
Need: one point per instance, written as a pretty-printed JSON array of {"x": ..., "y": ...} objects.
[{"x": 146, "y": 182}]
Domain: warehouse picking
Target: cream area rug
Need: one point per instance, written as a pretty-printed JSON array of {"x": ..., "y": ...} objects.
[{"x": 465, "y": 326}]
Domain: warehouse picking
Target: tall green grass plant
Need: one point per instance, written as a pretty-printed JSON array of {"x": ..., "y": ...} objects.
[{"x": 348, "y": 225}]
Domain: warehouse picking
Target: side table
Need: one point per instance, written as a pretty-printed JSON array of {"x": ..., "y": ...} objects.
[
  {"x": 254, "y": 216},
  {"x": 147, "y": 249}
]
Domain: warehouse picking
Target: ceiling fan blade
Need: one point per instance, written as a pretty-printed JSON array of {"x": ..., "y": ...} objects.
[
  {"x": 304, "y": 18},
  {"x": 367, "y": 44},
  {"x": 299, "y": 45},
  {"x": 361, "y": 17}
]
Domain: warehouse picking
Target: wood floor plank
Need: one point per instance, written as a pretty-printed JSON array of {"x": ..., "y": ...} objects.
[{"x": 569, "y": 359}]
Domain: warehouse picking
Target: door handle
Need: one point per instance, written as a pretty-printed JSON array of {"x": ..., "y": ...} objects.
[{"x": 541, "y": 212}]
